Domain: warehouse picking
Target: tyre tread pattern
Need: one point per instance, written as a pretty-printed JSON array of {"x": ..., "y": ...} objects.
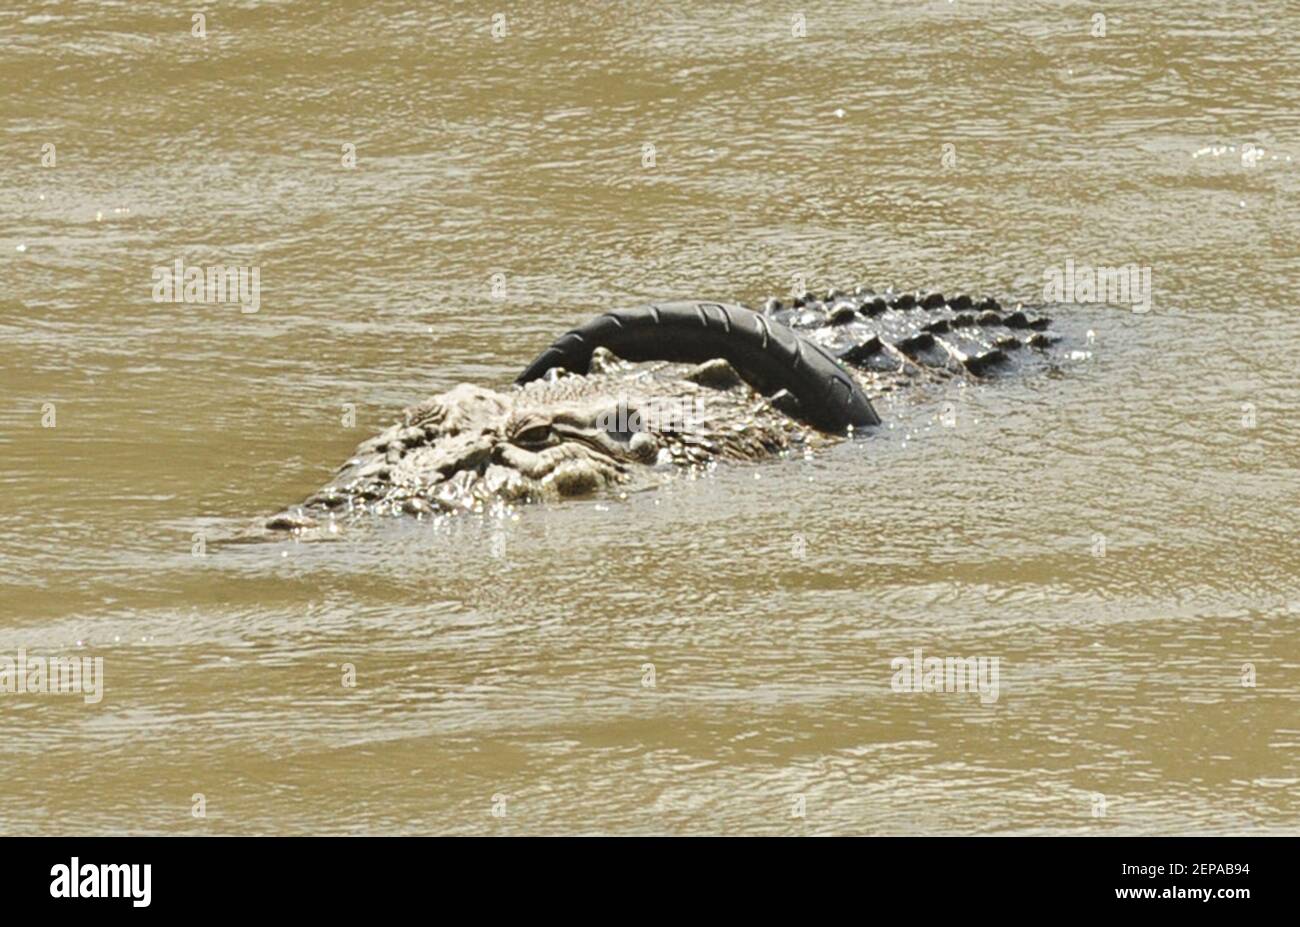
[{"x": 767, "y": 355}]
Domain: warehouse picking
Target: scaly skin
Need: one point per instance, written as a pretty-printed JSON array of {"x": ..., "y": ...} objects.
[{"x": 570, "y": 435}]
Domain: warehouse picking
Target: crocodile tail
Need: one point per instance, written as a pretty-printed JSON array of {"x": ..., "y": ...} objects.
[{"x": 766, "y": 354}]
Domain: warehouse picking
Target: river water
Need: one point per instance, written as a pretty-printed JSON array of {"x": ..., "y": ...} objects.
[{"x": 716, "y": 656}]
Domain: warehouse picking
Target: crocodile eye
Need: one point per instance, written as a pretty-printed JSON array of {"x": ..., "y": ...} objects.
[{"x": 533, "y": 436}]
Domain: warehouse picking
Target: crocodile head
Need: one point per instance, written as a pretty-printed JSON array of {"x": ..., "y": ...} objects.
[{"x": 562, "y": 436}]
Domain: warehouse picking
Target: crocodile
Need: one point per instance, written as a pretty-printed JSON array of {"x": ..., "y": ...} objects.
[{"x": 637, "y": 392}]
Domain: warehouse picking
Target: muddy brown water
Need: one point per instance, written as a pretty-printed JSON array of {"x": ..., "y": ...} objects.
[{"x": 1120, "y": 535}]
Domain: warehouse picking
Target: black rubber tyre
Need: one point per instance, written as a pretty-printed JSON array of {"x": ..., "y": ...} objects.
[{"x": 768, "y": 355}]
